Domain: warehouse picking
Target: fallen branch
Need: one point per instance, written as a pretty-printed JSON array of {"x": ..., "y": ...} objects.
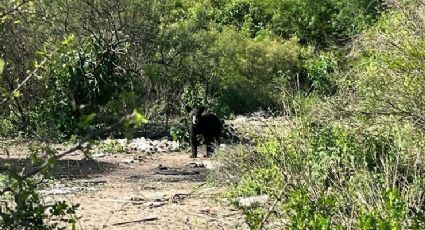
[
  {"x": 174, "y": 196},
  {"x": 136, "y": 221},
  {"x": 79, "y": 146},
  {"x": 177, "y": 172},
  {"x": 231, "y": 214},
  {"x": 125, "y": 201}
]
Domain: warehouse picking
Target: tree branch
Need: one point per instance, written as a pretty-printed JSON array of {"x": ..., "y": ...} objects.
[
  {"x": 76, "y": 147},
  {"x": 25, "y": 80},
  {"x": 16, "y": 8},
  {"x": 271, "y": 209}
]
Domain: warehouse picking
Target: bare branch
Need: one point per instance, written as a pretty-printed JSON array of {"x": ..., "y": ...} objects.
[
  {"x": 76, "y": 147},
  {"x": 14, "y": 9},
  {"x": 32, "y": 74},
  {"x": 271, "y": 209}
]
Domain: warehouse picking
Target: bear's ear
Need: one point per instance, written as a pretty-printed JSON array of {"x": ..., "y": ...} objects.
[
  {"x": 188, "y": 108},
  {"x": 202, "y": 109}
]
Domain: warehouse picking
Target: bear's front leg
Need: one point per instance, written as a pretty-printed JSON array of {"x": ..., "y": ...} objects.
[{"x": 193, "y": 143}]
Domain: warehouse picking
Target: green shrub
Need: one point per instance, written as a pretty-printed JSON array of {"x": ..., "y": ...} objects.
[
  {"x": 80, "y": 78},
  {"x": 329, "y": 172}
]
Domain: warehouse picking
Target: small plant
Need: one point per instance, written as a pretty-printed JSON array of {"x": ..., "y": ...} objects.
[
  {"x": 26, "y": 209},
  {"x": 180, "y": 134},
  {"x": 112, "y": 146},
  {"x": 393, "y": 215}
]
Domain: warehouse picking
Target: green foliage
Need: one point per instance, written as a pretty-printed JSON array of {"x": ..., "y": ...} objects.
[
  {"x": 329, "y": 173},
  {"x": 324, "y": 23},
  {"x": 258, "y": 181},
  {"x": 27, "y": 209},
  {"x": 193, "y": 95},
  {"x": 393, "y": 217},
  {"x": 306, "y": 214},
  {"x": 254, "y": 216},
  {"x": 2, "y": 64},
  {"x": 7, "y": 128},
  {"x": 246, "y": 15},
  {"x": 111, "y": 146},
  {"x": 235, "y": 56},
  {"x": 388, "y": 70},
  {"x": 80, "y": 81},
  {"x": 320, "y": 69},
  {"x": 180, "y": 134}
]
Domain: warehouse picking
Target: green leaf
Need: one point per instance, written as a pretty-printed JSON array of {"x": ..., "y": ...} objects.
[
  {"x": 2, "y": 64},
  {"x": 16, "y": 93},
  {"x": 85, "y": 120},
  {"x": 68, "y": 40},
  {"x": 138, "y": 119}
]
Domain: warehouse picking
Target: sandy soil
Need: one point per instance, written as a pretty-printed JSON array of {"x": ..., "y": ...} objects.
[{"x": 116, "y": 190}]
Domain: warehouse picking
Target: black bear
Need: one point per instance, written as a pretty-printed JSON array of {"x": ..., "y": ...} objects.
[{"x": 206, "y": 124}]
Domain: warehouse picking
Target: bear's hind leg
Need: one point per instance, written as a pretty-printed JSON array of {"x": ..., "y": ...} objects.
[{"x": 209, "y": 144}]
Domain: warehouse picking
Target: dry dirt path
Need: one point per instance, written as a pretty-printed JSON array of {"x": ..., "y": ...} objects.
[{"x": 126, "y": 191}]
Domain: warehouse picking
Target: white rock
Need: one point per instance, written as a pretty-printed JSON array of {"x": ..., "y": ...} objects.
[
  {"x": 247, "y": 202},
  {"x": 128, "y": 161},
  {"x": 241, "y": 119}
]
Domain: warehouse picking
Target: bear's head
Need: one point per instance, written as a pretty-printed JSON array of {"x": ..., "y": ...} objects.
[{"x": 195, "y": 113}]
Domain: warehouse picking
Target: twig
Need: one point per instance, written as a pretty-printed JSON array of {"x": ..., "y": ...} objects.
[
  {"x": 186, "y": 194},
  {"x": 125, "y": 201},
  {"x": 113, "y": 212},
  {"x": 16, "y": 8},
  {"x": 136, "y": 221},
  {"x": 42, "y": 63},
  {"x": 230, "y": 214},
  {"x": 271, "y": 209}
]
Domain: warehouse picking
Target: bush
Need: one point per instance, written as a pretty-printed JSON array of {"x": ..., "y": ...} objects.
[
  {"x": 387, "y": 73},
  {"x": 25, "y": 208},
  {"x": 333, "y": 175},
  {"x": 81, "y": 79}
]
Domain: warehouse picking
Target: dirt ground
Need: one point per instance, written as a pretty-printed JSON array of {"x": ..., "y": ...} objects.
[{"x": 160, "y": 191}]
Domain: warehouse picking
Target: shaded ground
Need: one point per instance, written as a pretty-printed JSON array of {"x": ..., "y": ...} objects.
[
  {"x": 118, "y": 189},
  {"x": 68, "y": 168}
]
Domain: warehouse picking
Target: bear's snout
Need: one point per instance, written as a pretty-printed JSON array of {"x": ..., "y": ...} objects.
[{"x": 195, "y": 120}]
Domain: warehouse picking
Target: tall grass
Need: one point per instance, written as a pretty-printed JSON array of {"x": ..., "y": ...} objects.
[{"x": 330, "y": 175}]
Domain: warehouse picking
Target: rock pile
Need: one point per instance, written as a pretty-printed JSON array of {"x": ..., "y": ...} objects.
[
  {"x": 153, "y": 146},
  {"x": 145, "y": 145}
]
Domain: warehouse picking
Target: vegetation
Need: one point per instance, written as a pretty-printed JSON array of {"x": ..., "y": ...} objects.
[{"x": 348, "y": 75}]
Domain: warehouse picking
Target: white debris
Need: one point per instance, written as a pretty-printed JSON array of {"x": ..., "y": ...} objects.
[
  {"x": 98, "y": 155},
  {"x": 210, "y": 164},
  {"x": 241, "y": 119},
  {"x": 128, "y": 161},
  {"x": 63, "y": 191},
  {"x": 146, "y": 145},
  {"x": 247, "y": 202}
]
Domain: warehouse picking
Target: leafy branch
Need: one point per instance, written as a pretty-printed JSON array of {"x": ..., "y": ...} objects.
[
  {"x": 14, "y": 9},
  {"x": 133, "y": 119}
]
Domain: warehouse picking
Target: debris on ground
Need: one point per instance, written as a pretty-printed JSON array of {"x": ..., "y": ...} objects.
[
  {"x": 136, "y": 221},
  {"x": 155, "y": 204},
  {"x": 65, "y": 190},
  {"x": 141, "y": 144},
  {"x": 247, "y": 202}
]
